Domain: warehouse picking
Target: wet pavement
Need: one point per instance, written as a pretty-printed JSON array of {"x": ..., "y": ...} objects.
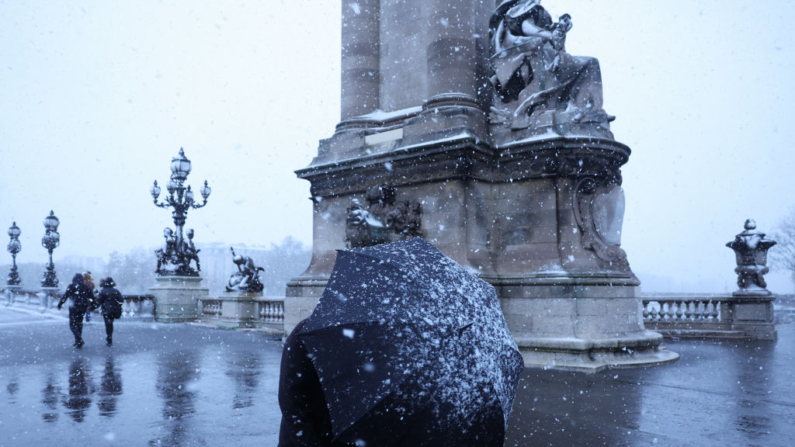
[{"x": 191, "y": 385}]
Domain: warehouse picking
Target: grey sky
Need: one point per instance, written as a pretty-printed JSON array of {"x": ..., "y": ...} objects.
[{"x": 97, "y": 96}]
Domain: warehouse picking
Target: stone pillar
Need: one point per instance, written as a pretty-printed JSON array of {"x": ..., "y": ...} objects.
[
  {"x": 360, "y": 72},
  {"x": 176, "y": 298},
  {"x": 452, "y": 54},
  {"x": 239, "y": 308},
  {"x": 47, "y": 294},
  {"x": 11, "y": 294}
]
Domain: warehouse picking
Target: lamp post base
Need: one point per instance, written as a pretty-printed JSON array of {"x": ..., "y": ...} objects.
[{"x": 176, "y": 298}]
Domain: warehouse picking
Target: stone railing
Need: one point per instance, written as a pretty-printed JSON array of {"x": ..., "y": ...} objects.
[
  {"x": 134, "y": 308},
  {"x": 709, "y": 316},
  {"x": 270, "y": 313},
  {"x": 29, "y": 299},
  {"x": 243, "y": 310},
  {"x": 138, "y": 308},
  {"x": 210, "y": 309}
]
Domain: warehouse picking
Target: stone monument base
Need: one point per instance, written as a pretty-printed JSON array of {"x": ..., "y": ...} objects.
[
  {"x": 239, "y": 308},
  {"x": 579, "y": 327},
  {"x": 752, "y": 314},
  {"x": 176, "y": 298}
]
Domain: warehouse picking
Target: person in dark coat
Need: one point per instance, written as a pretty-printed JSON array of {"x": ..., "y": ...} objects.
[
  {"x": 305, "y": 417},
  {"x": 81, "y": 300},
  {"x": 110, "y": 300}
]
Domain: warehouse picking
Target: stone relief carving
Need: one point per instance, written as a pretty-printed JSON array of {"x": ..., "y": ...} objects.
[
  {"x": 536, "y": 82},
  {"x": 599, "y": 211},
  {"x": 246, "y": 278},
  {"x": 383, "y": 220},
  {"x": 751, "y": 248}
]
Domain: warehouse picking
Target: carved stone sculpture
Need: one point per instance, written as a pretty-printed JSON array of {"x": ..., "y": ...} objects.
[
  {"x": 537, "y": 84},
  {"x": 384, "y": 220},
  {"x": 599, "y": 211},
  {"x": 246, "y": 278},
  {"x": 175, "y": 260},
  {"x": 751, "y": 248}
]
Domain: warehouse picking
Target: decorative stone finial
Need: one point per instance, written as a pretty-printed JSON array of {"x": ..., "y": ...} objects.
[{"x": 751, "y": 248}]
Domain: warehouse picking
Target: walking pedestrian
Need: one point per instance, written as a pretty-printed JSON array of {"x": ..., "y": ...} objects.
[
  {"x": 81, "y": 299},
  {"x": 89, "y": 281},
  {"x": 110, "y": 300}
]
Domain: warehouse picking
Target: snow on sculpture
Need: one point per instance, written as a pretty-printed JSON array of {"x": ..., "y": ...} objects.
[{"x": 537, "y": 84}]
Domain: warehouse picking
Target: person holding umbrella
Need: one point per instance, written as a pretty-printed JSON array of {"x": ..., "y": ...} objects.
[
  {"x": 405, "y": 348},
  {"x": 110, "y": 300}
]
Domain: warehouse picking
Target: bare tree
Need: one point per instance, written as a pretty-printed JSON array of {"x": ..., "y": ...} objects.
[{"x": 783, "y": 254}]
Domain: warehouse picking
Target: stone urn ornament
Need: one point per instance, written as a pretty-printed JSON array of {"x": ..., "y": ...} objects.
[{"x": 751, "y": 248}]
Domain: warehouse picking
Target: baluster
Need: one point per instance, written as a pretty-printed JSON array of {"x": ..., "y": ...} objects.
[
  {"x": 679, "y": 311},
  {"x": 279, "y": 312},
  {"x": 688, "y": 310},
  {"x": 270, "y": 313},
  {"x": 261, "y": 312},
  {"x": 646, "y": 312},
  {"x": 698, "y": 311},
  {"x": 655, "y": 314}
]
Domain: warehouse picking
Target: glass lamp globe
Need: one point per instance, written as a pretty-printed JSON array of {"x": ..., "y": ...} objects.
[
  {"x": 155, "y": 191},
  {"x": 180, "y": 166},
  {"x": 14, "y": 231},
  {"x": 51, "y": 222}
]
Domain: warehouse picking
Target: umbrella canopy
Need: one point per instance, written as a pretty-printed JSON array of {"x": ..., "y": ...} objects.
[{"x": 411, "y": 349}]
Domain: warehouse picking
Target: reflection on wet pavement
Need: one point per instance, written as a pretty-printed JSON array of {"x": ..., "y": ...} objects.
[
  {"x": 109, "y": 388},
  {"x": 80, "y": 389},
  {"x": 183, "y": 385},
  {"x": 244, "y": 368}
]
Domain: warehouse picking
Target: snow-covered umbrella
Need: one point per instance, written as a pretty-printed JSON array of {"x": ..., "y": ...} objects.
[{"x": 412, "y": 349}]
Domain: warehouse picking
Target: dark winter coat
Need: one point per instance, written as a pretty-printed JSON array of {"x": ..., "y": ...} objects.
[
  {"x": 110, "y": 300},
  {"x": 79, "y": 293},
  {"x": 305, "y": 417}
]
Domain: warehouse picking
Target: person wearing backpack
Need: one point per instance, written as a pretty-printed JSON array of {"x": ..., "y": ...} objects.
[
  {"x": 81, "y": 299},
  {"x": 110, "y": 300}
]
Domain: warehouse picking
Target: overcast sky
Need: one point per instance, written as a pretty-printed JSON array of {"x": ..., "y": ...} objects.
[{"x": 97, "y": 96}]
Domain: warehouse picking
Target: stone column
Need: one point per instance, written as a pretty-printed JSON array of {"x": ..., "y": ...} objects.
[
  {"x": 360, "y": 58},
  {"x": 452, "y": 53}
]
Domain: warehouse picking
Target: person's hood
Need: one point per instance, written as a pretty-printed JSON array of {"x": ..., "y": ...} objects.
[{"x": 78, "y": 279}]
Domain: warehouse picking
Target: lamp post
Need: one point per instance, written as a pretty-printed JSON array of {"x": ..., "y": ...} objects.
[
  {"x": 175, "y": 257},
  {"x": 14, "y": 247},
  {"x": 51, "y": 240}
]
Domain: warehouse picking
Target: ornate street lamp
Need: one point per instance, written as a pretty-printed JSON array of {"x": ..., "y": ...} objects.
[
  {"x": 174, "y": 258},
  {"x": 14, "y": 247},
  {"x": 51, "y": 240}
]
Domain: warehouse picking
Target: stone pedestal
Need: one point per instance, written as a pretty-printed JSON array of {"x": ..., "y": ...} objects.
[
  {"x": 239, "y": 308},
  {"x": 176, "y": 298},
  {"x": 47, "y": 297},
  {"x": 11, "y": 294},
  {"x": 752, "y": 313},
  {"x": 535, "y": 212}
]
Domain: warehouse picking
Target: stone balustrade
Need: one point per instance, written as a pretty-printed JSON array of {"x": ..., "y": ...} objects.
[
  {"x": 209, "y": 309},
  {"x": 243, "y": 310},
  {"x": 134, "y": 308},
  {"x": 709, "y": 316},
  {"x": 270, "y": 312}
]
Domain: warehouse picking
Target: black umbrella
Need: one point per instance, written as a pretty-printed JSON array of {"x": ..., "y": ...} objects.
[{"x": 411, "y": 349}]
